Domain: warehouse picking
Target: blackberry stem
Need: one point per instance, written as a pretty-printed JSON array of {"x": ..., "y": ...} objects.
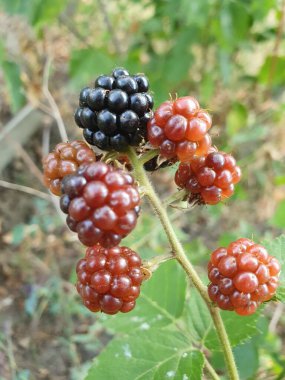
[
  {"x": 148, "y": 155},
  {"x": 180, "y": 255}
]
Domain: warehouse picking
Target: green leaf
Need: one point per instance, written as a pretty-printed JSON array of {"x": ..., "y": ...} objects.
[
  {"x": 227, "y": 237},
  {"x": 250, "y": 135},
  {"x": 47, "y": 11},
  {"x": 261, "y": 8},
  {"x": 147, "y": 238},
  {"x": 247, "y": 353},
  {"x": 151, "y": 355},
  {"x": 276, "y": 248},
  {"x": 200, "y": 325},
  {"x": 18, "y": 234},
  {"x": 232, "y": 26},
  {"x": 24, "y": 374},
  {"x": 245, "y": 328},
  {"x": 236, "y": 119},
  {"x": 86, "y": 64},
  {"x": 175, "y": 67},
  {"x": 207, "y": 87},
  {"x": 279, "y": 180},
  {"x": 17, "y": 6},
  {"x": 273, "y": 70},
  {"x": 278, "y": 219},
  {"x": 161, "y": 302},
  {"x": 14, "y": 84}
]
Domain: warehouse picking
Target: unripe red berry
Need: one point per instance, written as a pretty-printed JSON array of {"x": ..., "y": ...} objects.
[
  {"x": 208, "y": 179},
  {"x": 242, "y": 276},
  {"x": 179, "y": 128},
  {"x": 65, "y": 160},
  {"x": 102, "y": 204},
  {"x": 109, "y": 280}
]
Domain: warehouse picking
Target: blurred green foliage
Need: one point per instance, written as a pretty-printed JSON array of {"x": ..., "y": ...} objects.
[{"x": 231, "y": 55}]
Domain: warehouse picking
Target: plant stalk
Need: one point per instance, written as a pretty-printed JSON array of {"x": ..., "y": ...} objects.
[{"x": 179, "y": 253}]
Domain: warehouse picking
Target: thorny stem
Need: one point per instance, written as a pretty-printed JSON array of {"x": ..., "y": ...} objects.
[{"x": 181, "y": 257}]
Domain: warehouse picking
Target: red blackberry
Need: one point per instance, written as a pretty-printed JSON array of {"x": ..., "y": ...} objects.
[
  {"x": 208, "y": 179},
  {"x": 109, "y": 280},
  {"x": 114, "y": 114},
  {"x": 242, "y": 276},
  {"x": 64, "y": 160},
  {"x": 179, "y": 128},
  {"x": 102, "y": 204}
]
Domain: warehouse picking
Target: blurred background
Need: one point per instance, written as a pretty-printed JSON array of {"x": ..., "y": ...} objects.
[{"x": 229, "y": 54}]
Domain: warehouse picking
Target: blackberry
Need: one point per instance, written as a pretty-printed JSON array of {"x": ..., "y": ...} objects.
[
  {"x": 208, "y": 179},
  {"x": 101, "y": 203},
  {"x": 242, "y": 276},
  {"x": 64, "y": 160},
  {"x": 179, "y": 129},
  {"x": 109, "y": 280},
  {"x": 114, "y": 114}
]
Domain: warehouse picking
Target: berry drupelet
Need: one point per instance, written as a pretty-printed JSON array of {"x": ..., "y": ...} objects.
[
  {"x": 64, "y": 160},
  {"x": 102, "y": 204},
  {"x": 208, "y": 179},
  {"x": 179, "y": 128},
  {"x": 109, "y": 280},
  {"x": 242, "y": 276},
  {"x": 114, "y": 114}
]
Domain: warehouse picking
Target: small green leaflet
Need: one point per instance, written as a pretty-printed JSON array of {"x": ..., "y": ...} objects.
[{"x": 87, "y": 63}]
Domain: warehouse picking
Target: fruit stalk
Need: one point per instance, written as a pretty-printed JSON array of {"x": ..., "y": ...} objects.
[{"x": 181, "y": 257}]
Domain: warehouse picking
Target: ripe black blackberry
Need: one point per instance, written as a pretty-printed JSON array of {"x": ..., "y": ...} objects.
[{"x": 114, "y": 114}]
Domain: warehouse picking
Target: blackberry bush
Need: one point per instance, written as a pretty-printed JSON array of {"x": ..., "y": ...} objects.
[
  {"x": 208, "y": 179},
  {"x": 179, "y": 129},
  {"x": 64, "y": 160},
  {"x": 114, "y": 114},
  {"x": 242, "y": 276},
  {"x": 102, "y": 204},
  {"x": 109, "y": 280}
]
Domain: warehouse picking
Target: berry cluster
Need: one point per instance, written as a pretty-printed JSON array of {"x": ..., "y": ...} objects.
[
  {"x": 179, "y": 128},
  {"x": 242, "y": 276},
  {"x": 115, "y": 113},
  {"x": 208, "y": 179},
  {"x": 64, "y": 160},
  {"x": 102, "y": 204},
  {"x": 109, "y": 280}
]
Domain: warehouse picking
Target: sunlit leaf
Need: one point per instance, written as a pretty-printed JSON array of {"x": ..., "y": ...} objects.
[
  {"x": 151, "y": 355},
  {"x": 160, "y": 304}
]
